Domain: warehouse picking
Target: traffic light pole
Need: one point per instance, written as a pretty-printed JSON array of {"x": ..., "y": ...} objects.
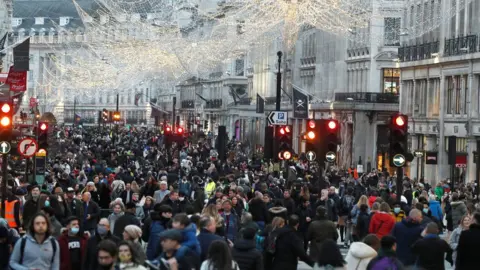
[
  {"x": 4, "y": 183},
  {"x": 399, "y": 183}
]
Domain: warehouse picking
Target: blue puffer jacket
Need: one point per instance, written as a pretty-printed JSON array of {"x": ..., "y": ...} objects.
[
  {"x": 232, "y": 228},
  {"x": 156, "y": 228},
  {"x": 436, "y": 209},
  {"x": 190, "y": 239}
]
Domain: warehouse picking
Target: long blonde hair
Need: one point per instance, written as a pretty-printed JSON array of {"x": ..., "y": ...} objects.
[
  {"x": 363, "y": 200},
  {"x": 211, "y": 211},
  {"x": 278, "y": 222}
]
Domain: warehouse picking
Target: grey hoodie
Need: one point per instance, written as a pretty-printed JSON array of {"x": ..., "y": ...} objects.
[{"x": 35, "y": 256}]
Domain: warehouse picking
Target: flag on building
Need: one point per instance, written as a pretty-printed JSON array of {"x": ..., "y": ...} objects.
[
  {"x": 260, "y": 104},
  {"x": 300, "y": 104},
  {"x": 21, "y": 56},
  {"x": 137, "y": 98}
]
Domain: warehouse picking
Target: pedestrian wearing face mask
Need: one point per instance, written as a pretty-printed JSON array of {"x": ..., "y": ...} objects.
[
  {"x": 102, "y": 232},
  {"x": 72, "y": 246},
  {"x": 397, "y": 212}
]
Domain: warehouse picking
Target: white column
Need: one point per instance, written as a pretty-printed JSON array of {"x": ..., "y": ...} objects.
[
  {"x": 466, "y": 18},
  {"x": 463, "y": 84},
  {"x": 457, "y": 17},
  {"x": 427, "y": 101},
  {"x": 412, "y": 98},
  {"x": 441, "y": 131},
  {"x": 454, "y": 95},
  {"x": 471, "y": 166}
]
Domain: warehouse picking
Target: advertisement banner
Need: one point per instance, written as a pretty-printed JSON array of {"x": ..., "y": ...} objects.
[
  {"x": 17, "y": 80},
  {"x": 260, "y": 104},
  {"x": 21, "y": 56}
]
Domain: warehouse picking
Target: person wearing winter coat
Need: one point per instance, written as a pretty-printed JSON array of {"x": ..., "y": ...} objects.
[
  {"x": 386, "y": 258},
  {"x": 330, "y": 257},
  {"x": 398, "y": 213},
  {"x": 207, "y": 235},
  {"x": 382, "y": 222},
  {"x": 468, "y": 246},
  {"x": 407, "y": 232},
  {"x": 320, "y": 230},
  {"x": 435, "y": 208},
  {"x": 459, "y": 209},
  {"x": 245, "y": 253},
  {"x": 153, "y": 227},
  {"x": 277, "y": 211},
  {"x": 361, "y": 253},
  {"x": 128, "y": 218},
  {"x": 231, "y": 221},
  {"x": 182, "y": 223},
  {"x": 118, "y": 211},
  {"x": 430, "y": 250},
  {"x": 455, "y": 236}
]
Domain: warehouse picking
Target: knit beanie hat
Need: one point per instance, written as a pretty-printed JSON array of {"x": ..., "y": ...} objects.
[{"x": 133, "y": 231}]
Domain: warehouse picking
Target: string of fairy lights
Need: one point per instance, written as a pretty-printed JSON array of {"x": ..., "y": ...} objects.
[{"x": 125, "y": 42}]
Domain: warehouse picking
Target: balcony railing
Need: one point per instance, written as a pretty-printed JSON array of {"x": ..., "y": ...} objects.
[
  {"x": 366, "y": 97},
  {"x": 188, "y": 104},
  {"x": 213, "y": 104},
  {"x": 418, "y": 52},
  {"x": 460, "y": 45}
]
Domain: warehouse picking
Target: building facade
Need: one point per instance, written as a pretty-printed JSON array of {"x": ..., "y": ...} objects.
[{"x": 440, "y": 75}]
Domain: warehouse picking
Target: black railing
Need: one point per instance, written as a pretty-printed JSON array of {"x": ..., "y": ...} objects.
[
  {"x": 82, "y": 120},
  {"x": 366, "y": 97},
  {"x": 418, "y": 52},
  {"x": 188, "y": 104},
  {"x": 213, "y": 104},
  {"x": 460, "y": 45}
]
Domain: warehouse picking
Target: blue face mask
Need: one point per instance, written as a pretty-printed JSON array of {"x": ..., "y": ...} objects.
[
  {"x": 47, "y": 203},
  {"x": 396, "y": 210},
  {"x": 425, "y": 210},
  {"x": 74, "y": 230}
]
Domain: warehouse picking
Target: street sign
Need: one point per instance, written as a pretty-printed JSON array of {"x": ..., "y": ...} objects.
[
  {"x": 331, "y": 156},
  {"x": 5, "y": 147},
  {"x": 399, "y": 160},
  {"x": 311, "y": 156},
  {"x": 278, "y": 118},
  {"x": 27, "y": 147},
  {"x": 418, "y": 153}
]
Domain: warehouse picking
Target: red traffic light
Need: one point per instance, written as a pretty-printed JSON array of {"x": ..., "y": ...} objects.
[
  {"x": 287, "y": 129},
  {"x": 332, "y": 124},
  {"x": 311, "y": 124},
  {"x": 399, "y": 121},
  {"x": 282, "y": 131},
  {"x": 180, "y": 130},
  {"x": 311, "y": 135},
  {"x": 43, "y": 126},
  {"x": 168, "y": 129},
  {"x": 5, "y": 121}
]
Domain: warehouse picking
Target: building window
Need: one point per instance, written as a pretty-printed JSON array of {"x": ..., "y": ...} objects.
[
  {"x": 391, "y": 80},
  {"x": 450, "y": 95},
  {"x": 239, "y": 67},
  {"x": 392, "y": 31}
]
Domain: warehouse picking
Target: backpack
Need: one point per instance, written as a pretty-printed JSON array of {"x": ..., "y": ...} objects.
[
  {"x": 271, "y": 242},
  {"x": 384, "y": 263},
  {"x": 23, "y": 243}
]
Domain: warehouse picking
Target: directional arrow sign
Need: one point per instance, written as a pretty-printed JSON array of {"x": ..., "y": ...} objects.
[
  {"x": 331, "y": 156},
  {"x": 399, "y": 160},
  {"x": 5, "y": 147},
  {"x": 278, "y": 118},
  {"x": 311, "y": 156}
]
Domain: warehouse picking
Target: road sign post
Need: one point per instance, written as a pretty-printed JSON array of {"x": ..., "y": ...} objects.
[
  {"x": 311, "y": 156},
  {"x": 399, "y": 160},
  {"x": 330, "y": 157},
  {"x": 5, "y": 147},
  {"x": 27, "y": 147}
]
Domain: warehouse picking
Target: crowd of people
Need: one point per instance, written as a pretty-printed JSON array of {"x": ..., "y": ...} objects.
[{"x": 125, "y": 199}]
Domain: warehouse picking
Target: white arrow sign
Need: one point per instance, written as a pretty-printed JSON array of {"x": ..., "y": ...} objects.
[
  {"x": 399, "y": 160},
  {"x": 278, "y": 118},
  {"x": 311, "y": 156},
  {"x": 330, "y": 156},
  {"x": 4, "y": 147}
]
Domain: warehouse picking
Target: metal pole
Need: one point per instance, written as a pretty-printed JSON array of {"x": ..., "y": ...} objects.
[
  {"x": 117, "y": 101},
  {"x": 279, "y": 82},
  {"x": 399, "y": 183},
  {"x": 452, "y": 175},
  {"x": 74, "y": 110},
  {"x": 173, "y": 112},
  {"x": 26, "y": 168},
  {"x": 418, "y": 159},
  {"x": 4, "y": 183},
  {"x": 478, "y": 167}
]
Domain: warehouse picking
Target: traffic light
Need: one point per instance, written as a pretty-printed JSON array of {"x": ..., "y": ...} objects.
[
  {"x": 179, "y": 130},
  {"x": 6, "y": 115},
  {"x": 329, "y": 131},
  {"x": 284, "y": 139},
  {"x": 105, "y": 115},
  {"x": 398, "y": 136},
  {"x": 42, "y": 135},
  {"x": 310, "y": 136},
  {"x": 205, "y": 125},
  {"x": 116, "y": 116}
]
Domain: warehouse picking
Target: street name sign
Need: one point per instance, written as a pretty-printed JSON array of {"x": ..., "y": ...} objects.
[
  {"x": 399, "y": 160},
  {"x": 311, "y": 156},
  {"x": 331, "y": 156},
  {"x": 27, "y": 147},
  {"x": 278, "y": 118},
  {"x": 5, "y": 147}
]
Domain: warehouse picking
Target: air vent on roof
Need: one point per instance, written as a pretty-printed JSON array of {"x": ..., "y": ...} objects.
[
  {"x": 64, "y": 21},
  {"x": 39, "y": 20}
]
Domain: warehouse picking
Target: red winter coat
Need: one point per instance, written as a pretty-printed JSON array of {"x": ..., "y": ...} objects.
[
  {"x": 65, "y": 252},
  {"x": 381, "y": 224}
]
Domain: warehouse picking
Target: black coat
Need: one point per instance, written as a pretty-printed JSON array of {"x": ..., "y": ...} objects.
[
  {"x": 430, "y": 252},
  {"x": 124, "y": 221},
  {"x": 258, "y": 209},
  {"x": 246, "y": 255},
  {"x": 205, "y": 238},
  {"x": 288, "y": 249},
  {"x": 30, "y": 208},
  {"x": 91, "y": 256},
  {"x": 467, "y": 248},
  {"x": 94, "y": 211}
]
